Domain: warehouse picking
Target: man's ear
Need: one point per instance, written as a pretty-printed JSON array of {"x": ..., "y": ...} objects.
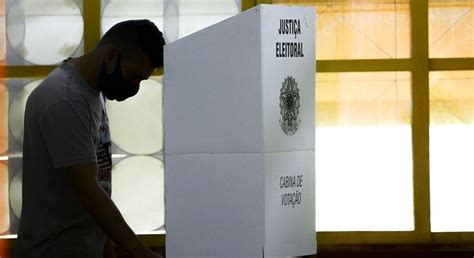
[{"x": 110, "y": 58}]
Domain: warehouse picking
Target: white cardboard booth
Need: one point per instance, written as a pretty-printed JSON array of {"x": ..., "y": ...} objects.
[{"x": 239, "y": 120}]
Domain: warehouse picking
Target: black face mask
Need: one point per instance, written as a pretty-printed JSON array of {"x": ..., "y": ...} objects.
[{"x": 114, "y": 86}]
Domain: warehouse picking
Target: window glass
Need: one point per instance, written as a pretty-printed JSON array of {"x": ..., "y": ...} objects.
[
  {"x": 115, "y": 11},
  {"x": 136, "y": 127},
  {"x": 43, "y": 32},
  {"x": 138, "y": 191},
  {"x": 174, "y": 18},
  {"x": 4, "y": 209},
  {"x": 17, "y": 107},
  {"x": 18, "y": 92},
  {"x": 451, "y": 148},
  {"x": 363, "y": 152},
  {"x": 451, "y": 28},
  {"x": 3, "y": 118},
  {"x": 194, "y": 15},
  {"x": 15, "y": 197},
  {"x": 3, "y": 42},
  {"x": 367, "y": 29}
]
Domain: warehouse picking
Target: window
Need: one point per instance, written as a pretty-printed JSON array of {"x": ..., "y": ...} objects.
[
  {"x": 175, "y": 18},
  {"x": 362, "y": 29},
  {"x": 363, "y": 152},
  {"x": 137, "y": 135},
  {"x": 18, "y": 91},
  {"x": 43, "y": 32},
  {"x": 451, "y": 148},
  {"x": 451, "y": 32},
  {"x": 428, "y": 45}
]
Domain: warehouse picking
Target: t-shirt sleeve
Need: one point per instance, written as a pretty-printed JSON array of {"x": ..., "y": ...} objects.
[{"x": 67, "y": 132}]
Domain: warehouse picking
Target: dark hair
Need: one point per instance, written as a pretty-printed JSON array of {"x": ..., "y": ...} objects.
[{"x": 132, "y": 35}]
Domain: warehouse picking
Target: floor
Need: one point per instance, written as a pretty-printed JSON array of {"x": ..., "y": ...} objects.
[{"x": 382, "y": 251}]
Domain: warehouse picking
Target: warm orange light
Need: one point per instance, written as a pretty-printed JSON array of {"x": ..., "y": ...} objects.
[
  {"x": 4, "y": 217},
  {"x": 4, "y": 248},
  {"x": 368, "y": 29},
  {"x": 3, "y": 90}
]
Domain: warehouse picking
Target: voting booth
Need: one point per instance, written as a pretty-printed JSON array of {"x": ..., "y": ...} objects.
[{"x": 239, "y": 125}]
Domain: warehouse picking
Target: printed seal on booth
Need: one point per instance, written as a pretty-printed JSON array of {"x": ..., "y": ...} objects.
[{"x": 289, "y": 106}]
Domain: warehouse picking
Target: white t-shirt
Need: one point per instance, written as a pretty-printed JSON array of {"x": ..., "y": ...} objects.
[{"x": 63, "y": 118}]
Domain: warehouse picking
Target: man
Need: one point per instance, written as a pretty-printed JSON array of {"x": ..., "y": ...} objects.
[{"x": 66, "y": 150}]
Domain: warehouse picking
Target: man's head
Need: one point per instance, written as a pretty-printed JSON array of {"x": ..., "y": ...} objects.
[{"x": 131, "y": 51}]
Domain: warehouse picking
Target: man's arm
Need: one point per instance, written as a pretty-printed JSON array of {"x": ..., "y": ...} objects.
[{"x": 104, "y": 211}]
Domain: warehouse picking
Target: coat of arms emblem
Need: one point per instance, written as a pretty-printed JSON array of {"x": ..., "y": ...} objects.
[{"x": 289, "y": 106}]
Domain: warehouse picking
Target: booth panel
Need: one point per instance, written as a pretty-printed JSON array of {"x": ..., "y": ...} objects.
[{"x": 214, "y": 205}]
